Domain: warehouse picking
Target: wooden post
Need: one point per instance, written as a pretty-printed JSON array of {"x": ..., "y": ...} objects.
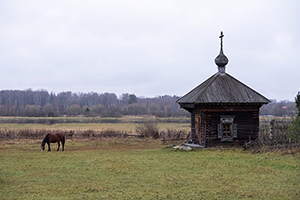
[{"x": 272, "y": 123}]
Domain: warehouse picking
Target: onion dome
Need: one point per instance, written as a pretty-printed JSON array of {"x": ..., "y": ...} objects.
[{"x": 221, "y": 60}]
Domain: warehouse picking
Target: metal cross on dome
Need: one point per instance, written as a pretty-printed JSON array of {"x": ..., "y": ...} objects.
[{"x": 221, "y": 36}]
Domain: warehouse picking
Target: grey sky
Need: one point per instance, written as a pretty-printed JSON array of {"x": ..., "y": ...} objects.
[{"x": 148, "y": 48}]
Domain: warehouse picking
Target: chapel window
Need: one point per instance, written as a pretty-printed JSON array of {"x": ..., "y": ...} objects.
[{"x": 227, "y": 129}]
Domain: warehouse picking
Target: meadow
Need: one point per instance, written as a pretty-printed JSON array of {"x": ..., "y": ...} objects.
[
  {"x": 125, "y": 127},
  {"x": 135, "y": 168},
  {"x": 30, "y": 127}
]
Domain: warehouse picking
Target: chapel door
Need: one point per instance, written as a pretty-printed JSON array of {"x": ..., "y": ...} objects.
[{"x": 198, "y": 126}]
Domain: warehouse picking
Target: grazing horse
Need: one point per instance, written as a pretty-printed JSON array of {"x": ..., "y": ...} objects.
[{"x": 53, "y": 138}]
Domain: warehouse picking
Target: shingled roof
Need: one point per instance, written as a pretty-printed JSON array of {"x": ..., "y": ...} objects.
[{"x": 222, "y": 88}]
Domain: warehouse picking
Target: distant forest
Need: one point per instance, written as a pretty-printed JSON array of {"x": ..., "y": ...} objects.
[{"x": 41, "y": 103}]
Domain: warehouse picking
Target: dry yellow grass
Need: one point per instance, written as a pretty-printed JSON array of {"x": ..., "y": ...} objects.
[{"x": 126, "y": 127}]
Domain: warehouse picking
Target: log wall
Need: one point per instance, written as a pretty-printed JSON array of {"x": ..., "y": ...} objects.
[{"x": 246, "y": 117}]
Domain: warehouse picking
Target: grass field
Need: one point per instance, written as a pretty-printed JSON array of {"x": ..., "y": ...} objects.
[
  {"x": 82, "y": 119},
  {"x": 122, "y": 127},
  {"x": 134, "y": 168}
]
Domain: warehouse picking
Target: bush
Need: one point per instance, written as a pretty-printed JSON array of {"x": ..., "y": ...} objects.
[
  {"x": 295, "y": 127},
  {"x": 295, "y": 130},
  {"x": 147, "y": 129}
]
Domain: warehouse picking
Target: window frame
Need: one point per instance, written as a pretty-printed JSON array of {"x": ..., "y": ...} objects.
[{"x": 225, "y": 121}]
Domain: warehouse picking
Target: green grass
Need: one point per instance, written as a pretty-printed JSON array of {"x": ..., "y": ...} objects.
[{"x": 143, "y": 169}]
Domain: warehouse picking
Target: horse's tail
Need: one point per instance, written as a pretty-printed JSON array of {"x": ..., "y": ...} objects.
[{"x": 64, "y": 139}]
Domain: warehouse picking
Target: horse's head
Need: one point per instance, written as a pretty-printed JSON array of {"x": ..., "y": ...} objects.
[
  {"x": 43, "y": 147},
  {"x": 46, "y": 139}
]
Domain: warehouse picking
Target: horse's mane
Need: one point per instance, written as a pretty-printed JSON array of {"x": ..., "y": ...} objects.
[{"x": 46, "y": 139}]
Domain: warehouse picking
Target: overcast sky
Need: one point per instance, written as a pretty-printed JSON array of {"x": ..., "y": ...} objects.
[{"x": 148, "y": 48}]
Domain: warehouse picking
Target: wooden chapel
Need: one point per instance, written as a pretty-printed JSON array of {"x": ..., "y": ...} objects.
[{"x": 223, "y": 109}]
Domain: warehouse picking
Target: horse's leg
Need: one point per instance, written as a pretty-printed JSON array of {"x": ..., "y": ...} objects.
[
  {"x": 58, "y": 145},
  {"x": 49, "y": 149},
  {"x": 63, "y": 144}
]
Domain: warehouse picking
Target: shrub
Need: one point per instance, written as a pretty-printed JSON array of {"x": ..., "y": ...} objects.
[
  {"x": 295, "y": 130},
  {"x": 147, "y": 129}
]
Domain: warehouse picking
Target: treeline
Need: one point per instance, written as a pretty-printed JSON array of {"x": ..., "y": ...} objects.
[
  {"x": 41, "y": 103},
  {"x": 281, "y": 108}
]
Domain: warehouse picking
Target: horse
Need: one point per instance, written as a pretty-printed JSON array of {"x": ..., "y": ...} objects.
[{"x": 53, "y": 138}]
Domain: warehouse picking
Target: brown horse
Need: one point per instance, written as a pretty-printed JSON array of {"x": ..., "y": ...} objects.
[{"x": 53, "y": 138}]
